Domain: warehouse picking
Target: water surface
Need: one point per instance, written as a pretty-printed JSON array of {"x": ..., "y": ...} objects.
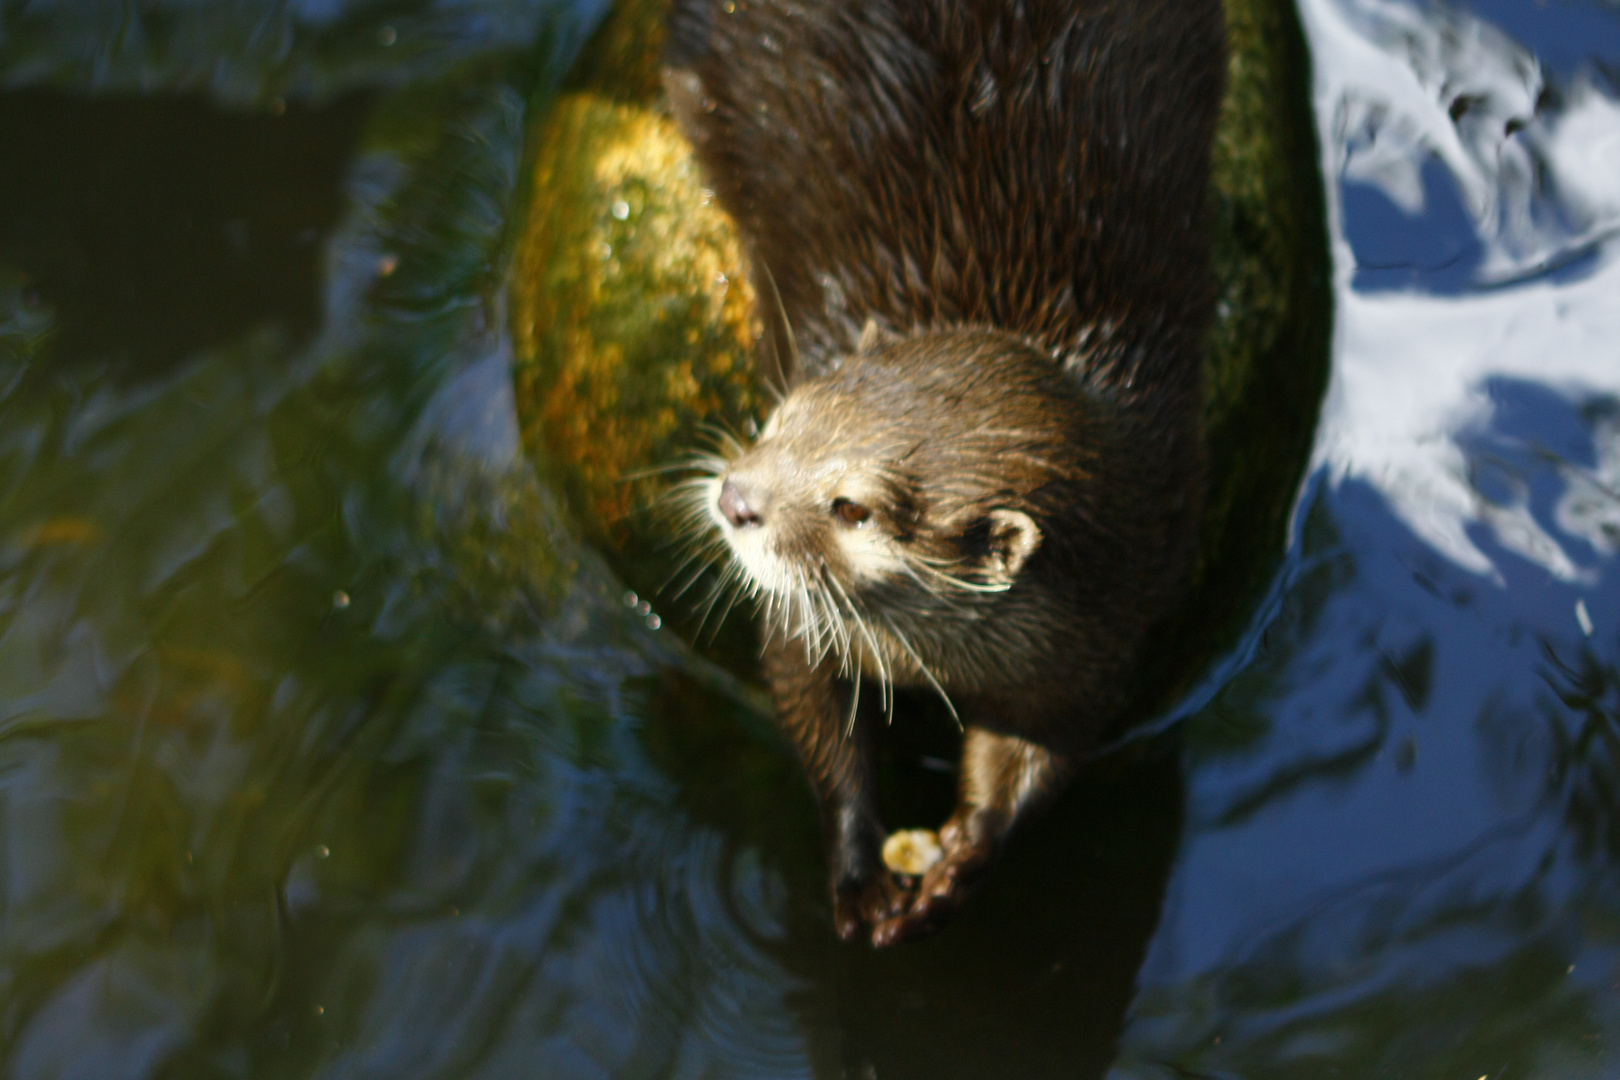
[{"x": 327, "y": 748}]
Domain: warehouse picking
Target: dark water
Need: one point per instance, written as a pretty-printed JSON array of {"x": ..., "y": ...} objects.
[{"x": 326, "y": 749}]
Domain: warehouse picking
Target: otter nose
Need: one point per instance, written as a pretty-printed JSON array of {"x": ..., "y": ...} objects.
[{"x": 735, "y": 507}]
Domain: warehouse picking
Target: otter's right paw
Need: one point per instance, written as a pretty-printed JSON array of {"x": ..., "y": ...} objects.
[{"x": 861, "y": 904}]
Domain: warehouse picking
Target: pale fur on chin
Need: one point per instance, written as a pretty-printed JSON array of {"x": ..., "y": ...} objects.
[{"x": 796, "y": 602}]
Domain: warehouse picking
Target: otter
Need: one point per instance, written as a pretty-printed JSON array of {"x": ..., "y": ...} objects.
[{"x": 983, "y": 231}]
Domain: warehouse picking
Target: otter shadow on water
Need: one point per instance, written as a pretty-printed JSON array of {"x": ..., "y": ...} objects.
[{"x": 1036, "y": 976}]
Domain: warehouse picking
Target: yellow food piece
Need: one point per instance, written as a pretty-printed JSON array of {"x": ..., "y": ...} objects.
[{"x": 912, "y": 851}]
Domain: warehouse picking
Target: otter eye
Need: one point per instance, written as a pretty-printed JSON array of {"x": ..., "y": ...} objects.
[{"x": 850, "y": 513}]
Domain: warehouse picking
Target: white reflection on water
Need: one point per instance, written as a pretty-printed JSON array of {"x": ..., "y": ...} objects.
[
  {"x": 1589, "y": 508},
  {"x": 1410, "y": 376},
  {"x": 1394, "y": 85},
  {"x": 1535, "y": 166},
  {"x": 1399, "y": 856}
]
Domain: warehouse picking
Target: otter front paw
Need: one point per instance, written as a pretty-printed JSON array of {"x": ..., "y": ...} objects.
[
  {"x": 946, "y": 887},
  {"x": 869, "y": 902}
]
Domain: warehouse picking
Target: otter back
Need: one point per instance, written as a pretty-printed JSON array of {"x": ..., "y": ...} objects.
[{"x": 1041, "y": 167}]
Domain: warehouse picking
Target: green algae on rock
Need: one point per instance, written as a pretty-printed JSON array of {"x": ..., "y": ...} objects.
[{"x": 633, "y": 315}]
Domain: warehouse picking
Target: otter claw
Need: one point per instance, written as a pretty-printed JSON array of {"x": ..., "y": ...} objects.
[
  {"x": 930, "y": 909},
  {"x": 869, "y": 903}
]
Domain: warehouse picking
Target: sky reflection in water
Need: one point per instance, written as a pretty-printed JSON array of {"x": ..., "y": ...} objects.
[
  {"x": 1412, "y": 870},
  {"x": 326, "y": 750}
]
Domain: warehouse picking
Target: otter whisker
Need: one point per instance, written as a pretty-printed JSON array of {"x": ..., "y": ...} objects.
[
  {"x": 690, "y": 516},
  {"x": 825, "y": 618},
  {"x": 779, "y": 391},
  {"x": 687, "y": 504},
  {"x": 837, "y": 624},
  {"x": 798, "y": 615},
  {"x": 927, "y": 674},
  {"x": 707, "y": 463},
  {"x": 685, "y": 507},
  {"x": 885, "y": 676},
  {"x": 970, "y": 586},
  {"x": 846, "y": 615},
  {"x": 840, "y": 622},
  {"x": 702, "y": 547},
  {"x": 694, "y": 538},
  {"x": 683, "y": 489},
  {"x": 731, "y": 602},
  {"x": 707, "y": 558},
  {"x": 730, "y": 445},
  {"x": 956, "y": 600},
  {"x": 773, "y": 620},
  {"x": 854, "y": 704},
  {"x": 732, "y": 572}
]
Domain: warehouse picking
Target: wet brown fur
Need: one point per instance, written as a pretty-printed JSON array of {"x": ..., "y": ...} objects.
[{"x": 1012, "y": 197}]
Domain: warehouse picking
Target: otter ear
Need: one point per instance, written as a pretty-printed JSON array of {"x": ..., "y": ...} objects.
[
  {"x": 1014, "y": 536},
  {"x": 874, "y": 336}
]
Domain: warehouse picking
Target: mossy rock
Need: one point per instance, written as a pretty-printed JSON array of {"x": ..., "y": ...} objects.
[{"x": 635, "y": 325}]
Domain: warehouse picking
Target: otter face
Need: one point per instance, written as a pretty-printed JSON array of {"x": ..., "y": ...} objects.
[
  {"x": 799, "y": 505},
  {"x": 898, "y": 489}
]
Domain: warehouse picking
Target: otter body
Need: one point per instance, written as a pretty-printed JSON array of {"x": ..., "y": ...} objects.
[{"x": 983, "y": 226}]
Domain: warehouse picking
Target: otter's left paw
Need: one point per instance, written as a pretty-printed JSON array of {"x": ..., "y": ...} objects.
[
  {"x": 868, "y": 902},
  {"x": 948, "y": 885}
]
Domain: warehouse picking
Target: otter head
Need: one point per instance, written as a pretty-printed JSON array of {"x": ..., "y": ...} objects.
[{"x": 912, "y": 482}]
